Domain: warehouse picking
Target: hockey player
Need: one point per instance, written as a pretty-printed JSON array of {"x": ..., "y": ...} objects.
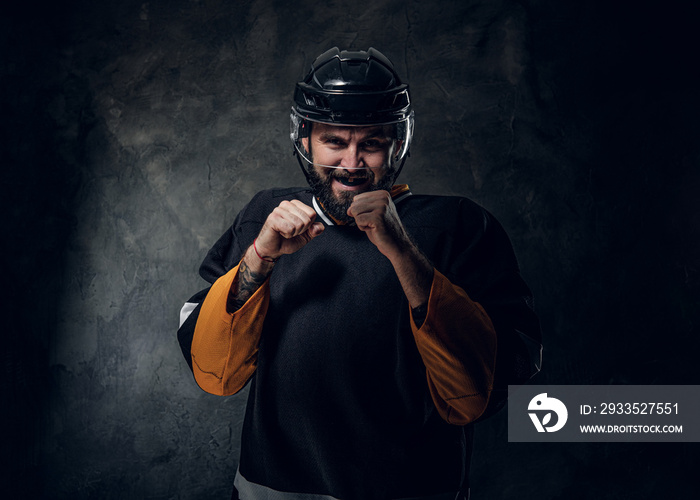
[{"x": 374, "y": 326}]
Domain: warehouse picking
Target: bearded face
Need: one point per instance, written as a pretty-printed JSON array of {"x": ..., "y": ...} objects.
[
  {"x": 348, "y": 161},
  {"x": 337, "y": 203}
]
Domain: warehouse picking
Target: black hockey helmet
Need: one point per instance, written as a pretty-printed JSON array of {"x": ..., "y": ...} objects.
[{"x": 352, "y": 88}]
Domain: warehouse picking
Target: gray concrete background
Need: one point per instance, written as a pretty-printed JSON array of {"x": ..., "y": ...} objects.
[{"x": 133, "y": 132}]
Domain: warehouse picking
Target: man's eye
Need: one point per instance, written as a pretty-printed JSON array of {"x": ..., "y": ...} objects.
[{"x": 372, "y": 145}]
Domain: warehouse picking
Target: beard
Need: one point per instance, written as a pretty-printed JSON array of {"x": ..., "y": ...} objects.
[{"x": 337, "y": 205}]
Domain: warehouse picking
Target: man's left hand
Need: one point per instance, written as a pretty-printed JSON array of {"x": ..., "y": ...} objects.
[{"x": 375, "y": 214}]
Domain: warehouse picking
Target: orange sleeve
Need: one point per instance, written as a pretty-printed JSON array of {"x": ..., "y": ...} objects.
[
  {"x": 457, "y": 343},
  {"x": 225, "y": 346}
]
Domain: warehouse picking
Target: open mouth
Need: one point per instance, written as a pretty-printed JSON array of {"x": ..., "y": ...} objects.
[{"x": 352, "y": 181}]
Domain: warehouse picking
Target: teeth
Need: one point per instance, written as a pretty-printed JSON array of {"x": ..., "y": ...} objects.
[{"x": 352, "y": 181}]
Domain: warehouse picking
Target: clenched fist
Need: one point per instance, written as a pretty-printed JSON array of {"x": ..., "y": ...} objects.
[
  {"x": 288, "y": 228},
  {"x": 375, "y": 214}
]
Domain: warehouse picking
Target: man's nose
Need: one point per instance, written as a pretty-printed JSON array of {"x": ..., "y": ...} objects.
[{"x": 352, "y": 159}]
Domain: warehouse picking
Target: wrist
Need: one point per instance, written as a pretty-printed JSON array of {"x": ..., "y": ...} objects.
[
  {"x": 263, "y": 256},
  {"x": 255, "y": 263},
  {"x": 402, "y": 251}
]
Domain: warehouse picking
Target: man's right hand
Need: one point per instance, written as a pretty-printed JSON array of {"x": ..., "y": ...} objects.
[{"x": 287, "y": 229}]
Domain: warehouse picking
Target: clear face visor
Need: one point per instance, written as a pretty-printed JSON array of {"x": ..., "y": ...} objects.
[{"x": 357, "y": 147}]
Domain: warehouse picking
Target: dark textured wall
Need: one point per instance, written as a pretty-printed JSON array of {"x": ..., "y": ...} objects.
[{"x": 133, "y": 132}]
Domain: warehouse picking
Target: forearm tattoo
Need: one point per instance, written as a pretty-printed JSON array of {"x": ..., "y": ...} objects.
[{"x": 244, "y": 286}]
